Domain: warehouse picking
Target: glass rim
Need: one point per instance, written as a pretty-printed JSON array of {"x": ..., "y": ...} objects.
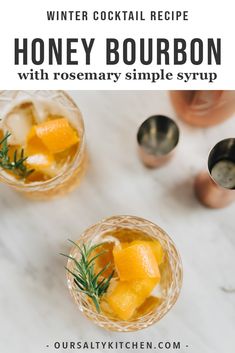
[{"x": 17, "y": 184}]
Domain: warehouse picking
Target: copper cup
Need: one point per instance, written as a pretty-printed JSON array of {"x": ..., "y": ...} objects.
[
  {"x": 157, "y": 138},
  {"x": 216, "y": 189},
  {"x": 203, "y": 108}
]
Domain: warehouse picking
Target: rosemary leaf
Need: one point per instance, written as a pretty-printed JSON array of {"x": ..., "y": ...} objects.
[
  {"x": 95, "y": 257},
  {"x": 87, "y": 281},
  {"x": 100, "y": 272},
  {"x": 16, "y": 166}
]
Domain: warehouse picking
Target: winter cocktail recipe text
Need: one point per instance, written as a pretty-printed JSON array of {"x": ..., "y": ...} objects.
[{"x": 124, "y": 15}]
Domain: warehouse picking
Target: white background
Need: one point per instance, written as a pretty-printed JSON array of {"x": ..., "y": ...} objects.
[
  {"x": 35, "y": 306},
  {"x": 28, "y": 19}
]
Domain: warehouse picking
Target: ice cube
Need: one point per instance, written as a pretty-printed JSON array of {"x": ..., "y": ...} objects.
[
  {"x": 47, "y": 108},
  {"x": 19, "y": 122}
]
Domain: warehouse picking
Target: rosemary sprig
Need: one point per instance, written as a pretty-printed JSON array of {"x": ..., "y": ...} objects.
[
  {"x": 17, "y": 164},
  {"x": 84, "y": 274}
]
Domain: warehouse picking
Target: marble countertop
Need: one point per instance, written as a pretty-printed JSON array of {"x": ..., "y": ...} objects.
[{"x": 35, "y": 306}]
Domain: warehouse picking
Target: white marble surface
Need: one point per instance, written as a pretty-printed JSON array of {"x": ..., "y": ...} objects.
[{"x": 35, "y": 305}]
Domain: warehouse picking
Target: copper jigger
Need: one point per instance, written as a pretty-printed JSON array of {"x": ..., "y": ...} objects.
[
  {"x": 216, "y": 189},
  {"x": 157, "y": 138}
]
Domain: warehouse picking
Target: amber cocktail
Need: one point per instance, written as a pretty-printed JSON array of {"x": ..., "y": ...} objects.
[
  {"x": 124, "y": 273},
  {"x": 42, "y": 151}
]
